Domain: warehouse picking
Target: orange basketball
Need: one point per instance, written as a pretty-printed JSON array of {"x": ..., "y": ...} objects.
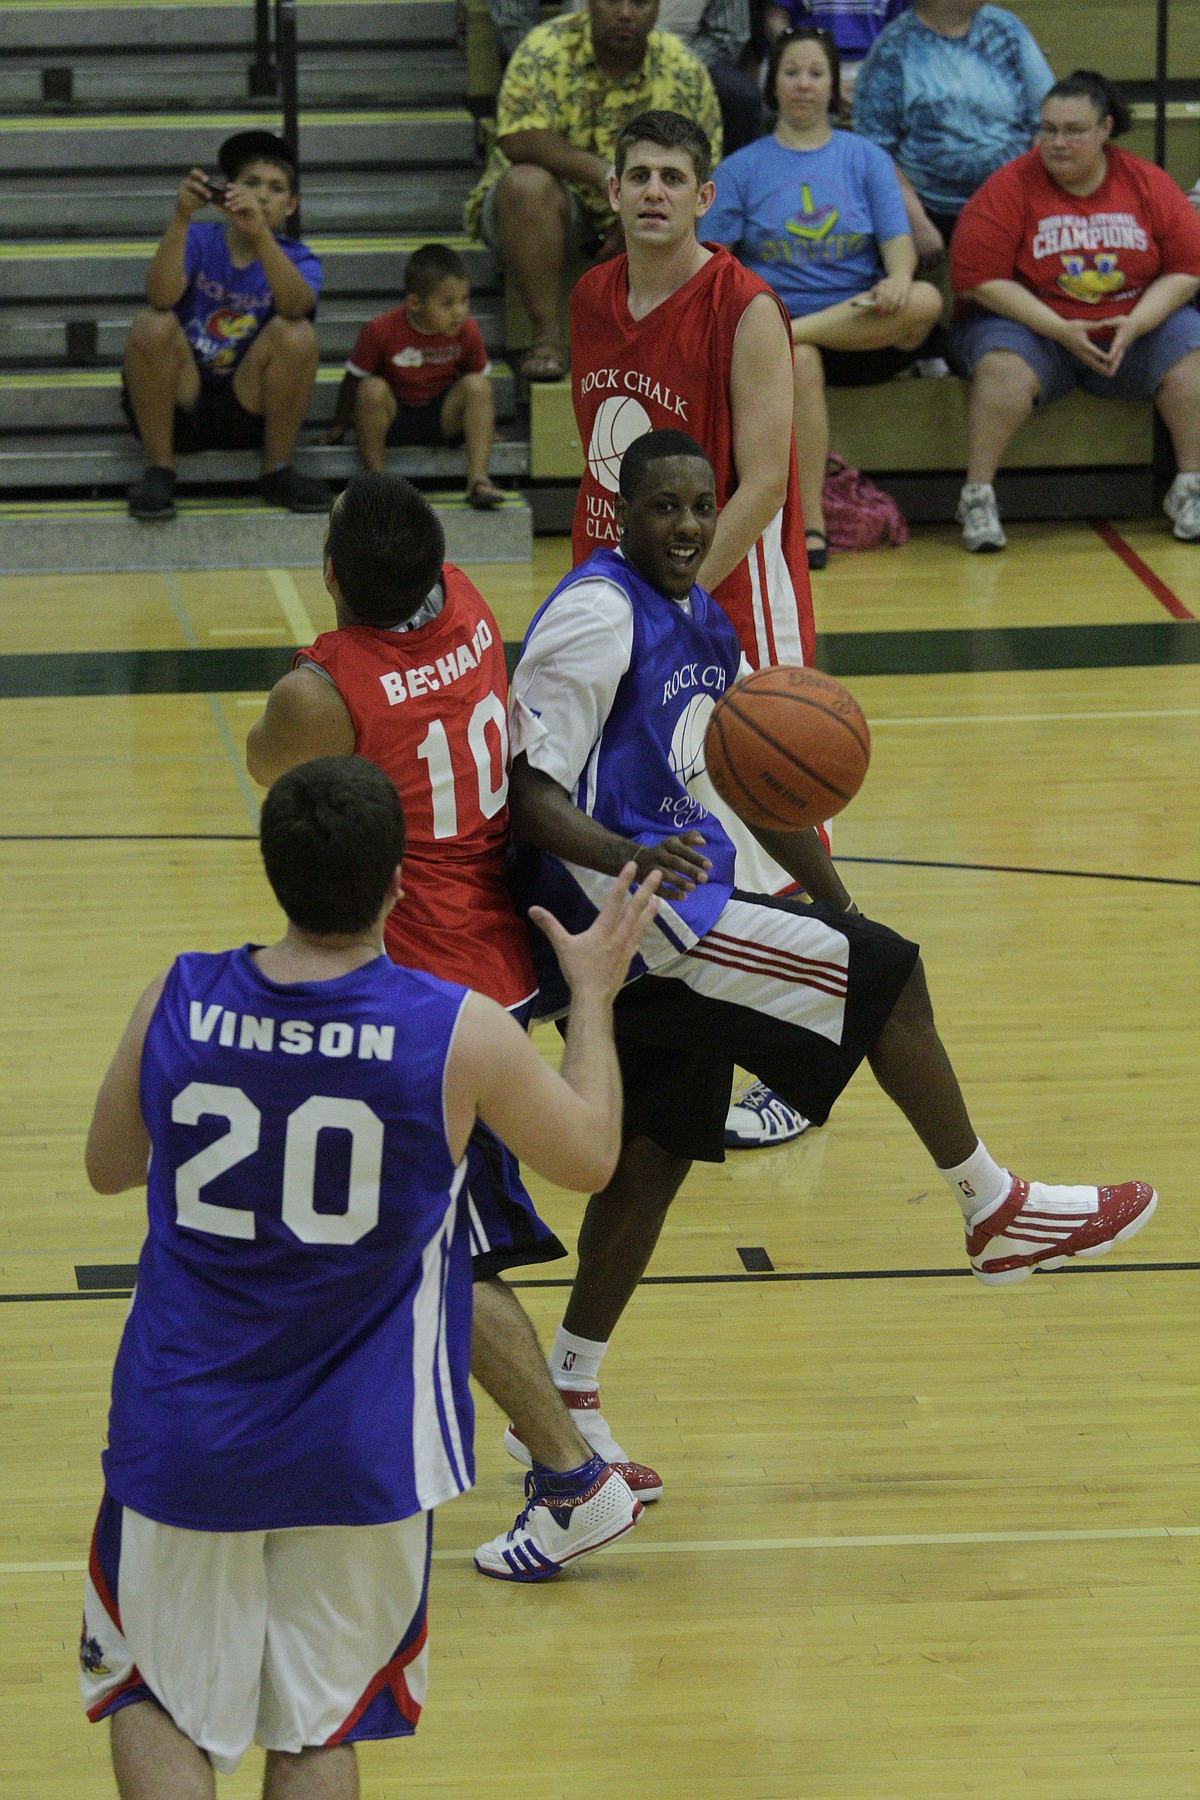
[{"x": 787, "y": 747}]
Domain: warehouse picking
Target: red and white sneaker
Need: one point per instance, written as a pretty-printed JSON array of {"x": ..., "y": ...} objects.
[
  {"x": 1038, "y": 1226},
  {"x": 590, "y": 1422}
]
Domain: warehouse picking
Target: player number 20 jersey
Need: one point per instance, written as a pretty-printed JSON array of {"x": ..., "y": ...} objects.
[{"x": 298, "y": 1346}]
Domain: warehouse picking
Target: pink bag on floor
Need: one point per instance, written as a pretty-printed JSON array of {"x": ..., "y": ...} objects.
[{"x": 858, "y": 515}]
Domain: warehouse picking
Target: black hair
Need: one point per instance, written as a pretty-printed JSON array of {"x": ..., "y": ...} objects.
[
  {"x": 429, "y": 266},
  {"x": 256, "y": 145},
  {"x": 1089, "y": 84},
  {"x": 331, "y": 835},
  {"x": 803, "y": 34},
  {"x": 387, "y": 547},
  {"x": 654, "y": 447},
  {"x": 670, "y": 131}
]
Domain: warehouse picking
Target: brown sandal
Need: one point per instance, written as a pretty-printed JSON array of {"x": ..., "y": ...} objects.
[
  {"x": 544, "y": 362},
  {"x": 484, "y": 494}
]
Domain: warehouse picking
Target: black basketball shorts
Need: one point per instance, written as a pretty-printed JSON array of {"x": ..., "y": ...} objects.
[{"x": 794, "y": 991}]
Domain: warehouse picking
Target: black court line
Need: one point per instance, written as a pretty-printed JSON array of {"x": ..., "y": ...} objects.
[
  {"x": 916, "y": 862},
  {"x": 90, "y": 674},
  {"x": 808, "y": 1275},
  {"x": 893, "y": 862}
]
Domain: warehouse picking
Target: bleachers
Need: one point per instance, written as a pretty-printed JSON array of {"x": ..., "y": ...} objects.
[{"x": 102, "y": 109}]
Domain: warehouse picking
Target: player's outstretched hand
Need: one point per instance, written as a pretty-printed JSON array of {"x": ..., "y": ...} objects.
[
  {"x": 597, "y": 960},
  {"x": 681, "y": 860}
]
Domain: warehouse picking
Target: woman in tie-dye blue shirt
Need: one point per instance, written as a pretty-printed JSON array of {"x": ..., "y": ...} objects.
[{"x": 951, "y": 89}]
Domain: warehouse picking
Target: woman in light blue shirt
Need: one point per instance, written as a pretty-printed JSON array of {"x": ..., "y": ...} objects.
[{"x": 819, "y": 215}]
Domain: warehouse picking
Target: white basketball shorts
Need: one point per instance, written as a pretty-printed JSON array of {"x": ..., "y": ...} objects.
[{"x": 291, "y": 1638}]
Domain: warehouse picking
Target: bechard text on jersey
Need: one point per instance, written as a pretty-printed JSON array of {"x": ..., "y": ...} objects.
[{"x": 430, "y": 678}]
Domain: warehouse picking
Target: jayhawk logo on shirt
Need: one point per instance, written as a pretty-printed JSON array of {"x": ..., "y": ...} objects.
[
  {"x": 226, "y": 330},
  {"x": 1094, "y": 283}
]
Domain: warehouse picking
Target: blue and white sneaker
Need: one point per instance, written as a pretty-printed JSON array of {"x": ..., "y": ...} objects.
[
  {"x": 565, "y": 1517},
  {"x": 758, "y": 1116}
]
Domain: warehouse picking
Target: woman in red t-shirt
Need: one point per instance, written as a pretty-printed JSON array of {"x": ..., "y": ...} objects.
[{"x": 1079, "y": 263}]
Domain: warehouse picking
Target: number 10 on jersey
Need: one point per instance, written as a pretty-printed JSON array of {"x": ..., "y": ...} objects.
[{"x": 491, "y": 771}]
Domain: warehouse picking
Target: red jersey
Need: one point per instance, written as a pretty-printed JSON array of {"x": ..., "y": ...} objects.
[
  {"x": 429, "y": 708},
  {"x": 418, "y": 366},
  {"x": 671, "y": 370},
  {"x": 1086, "y": 257}
]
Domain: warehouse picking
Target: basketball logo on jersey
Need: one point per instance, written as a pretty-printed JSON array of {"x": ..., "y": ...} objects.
[
  {"x": 687, "y": 760},
  {"x": 619, "y": 420}
]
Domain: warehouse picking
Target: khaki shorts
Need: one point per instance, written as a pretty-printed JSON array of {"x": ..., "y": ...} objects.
[{"x": 582, "y": 236}]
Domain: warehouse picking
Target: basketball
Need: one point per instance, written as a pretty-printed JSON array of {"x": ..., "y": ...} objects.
[{"x": 787, "y": 747}]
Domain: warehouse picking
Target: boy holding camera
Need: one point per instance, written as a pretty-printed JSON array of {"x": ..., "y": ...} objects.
[
  {"x": 225, "y": 356},
  {"x": 419, "y": 374}
]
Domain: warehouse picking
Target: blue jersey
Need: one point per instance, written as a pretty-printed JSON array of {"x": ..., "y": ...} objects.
[
  {"x": 223, "y": 307},
  {"x": 650, "y": 747},
  {"x": 298, "y": 1346}
]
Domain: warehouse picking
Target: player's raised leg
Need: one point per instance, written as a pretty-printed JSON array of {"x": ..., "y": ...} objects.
[{"x": 1012, "y": 1226}]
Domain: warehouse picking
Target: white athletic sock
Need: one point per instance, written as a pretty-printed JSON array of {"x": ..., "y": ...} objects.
[
  {"x": 979, "y": 1184},
  {"x": 575, "y": 1362}
]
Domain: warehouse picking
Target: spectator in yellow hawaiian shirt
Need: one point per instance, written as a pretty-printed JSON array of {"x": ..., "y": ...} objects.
[{"x": 569, "y": 88}]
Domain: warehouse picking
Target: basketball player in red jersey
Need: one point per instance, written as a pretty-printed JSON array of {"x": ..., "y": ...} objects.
[
  {"x": 677, "y": 334},
  {"x": 414, "y": 680}
]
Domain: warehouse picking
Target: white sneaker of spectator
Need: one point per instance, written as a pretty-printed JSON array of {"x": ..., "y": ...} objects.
[
  {"x": 979, "y": 517},
  {"x": 1182, "y": 504}
]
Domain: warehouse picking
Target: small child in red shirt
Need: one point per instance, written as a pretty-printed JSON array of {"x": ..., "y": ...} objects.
[{"x": 419, "y": 374}]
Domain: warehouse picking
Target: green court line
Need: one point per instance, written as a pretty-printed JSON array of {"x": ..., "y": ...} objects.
[
  {"x": 232, "y": 121},
  {"x": 91, "y": 674}
]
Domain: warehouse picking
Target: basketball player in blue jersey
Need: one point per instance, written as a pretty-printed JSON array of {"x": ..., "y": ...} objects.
[
  {"x": 290, "y": 1398},
  {"x": 609, "y": 701}
]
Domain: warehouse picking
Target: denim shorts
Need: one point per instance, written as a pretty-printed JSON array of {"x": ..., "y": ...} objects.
[{"x": 1142, "y": 368}]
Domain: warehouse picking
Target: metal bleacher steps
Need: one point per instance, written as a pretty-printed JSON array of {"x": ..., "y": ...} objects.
[{"x": 103, "y": 108}]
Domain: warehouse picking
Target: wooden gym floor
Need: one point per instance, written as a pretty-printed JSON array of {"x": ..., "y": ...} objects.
[{"x": 919, "y": 1539}]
